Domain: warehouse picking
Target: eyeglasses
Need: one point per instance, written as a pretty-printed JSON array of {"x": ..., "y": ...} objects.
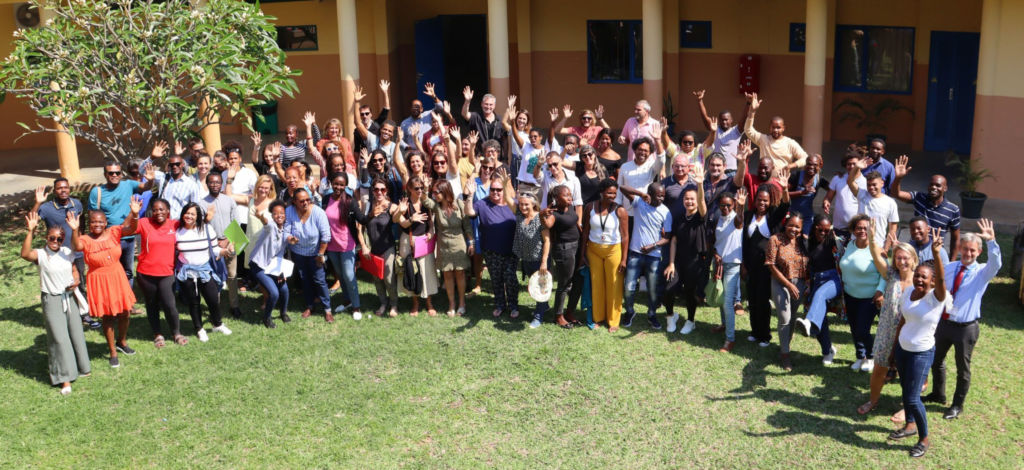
[
  {"x": 367, "y": 113},
  {"x": 497, "y": 190},
  {"x": 332, "y": 149},
  {"x": 417, "y": 188},
  {"x": 679, "y": 167},
  {"x": 55, "y": 239},
  {"x": 488, "y": 168},
  {"x": 380, "y": 190},
  {"x": 378, "y": 160},
  {"x": 440, "y": 163}
]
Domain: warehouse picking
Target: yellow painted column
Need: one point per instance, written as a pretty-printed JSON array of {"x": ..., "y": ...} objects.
[
  {"x": 348, "y": 55},
  {"x": 652, "y": 38},
  {"x": 814, "y": 75},
  {"x": 210, "y": 132},
  {"x": 497, "y": 46}
]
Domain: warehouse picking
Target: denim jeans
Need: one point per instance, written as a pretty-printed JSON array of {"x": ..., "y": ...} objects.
[
  {"x": 647, "y": 266},
  {"x": 344, "y": 263},
  {"x": 314, "y": 282},
  {"x": 530, "y": 267},
  {"x": 277, "y": 290},
  {"x": 861, "y": 313},
  {"x": 913, "y": 368},
  {"x": 824, "y": 287},
  {"x": 128, "y": 258},
  {"x": 731, "y": 282}
]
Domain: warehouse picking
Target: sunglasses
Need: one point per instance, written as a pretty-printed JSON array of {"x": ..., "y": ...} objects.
[
  {"x": 586, "y": 118},
  {"x": 440, "y": 163},
  {"x": 488, "y": 168},
  {"x": 332, "y": 149},
  {"x": 55, "y": 239},
  {"x": 380, "y": 190},
  {"x": 497, "y": 190},
  {"x": 174, "y": 164},
  {"x": 113, "y": 173},
  {"x": 417, "y": 188},
  {"x": 687, "y": 142},
  {"x": 364, "y": 114}
]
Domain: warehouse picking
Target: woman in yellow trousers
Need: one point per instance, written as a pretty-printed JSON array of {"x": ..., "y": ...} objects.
[{"x": 606, "y": 235}]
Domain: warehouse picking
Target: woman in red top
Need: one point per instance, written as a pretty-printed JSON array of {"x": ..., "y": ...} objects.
[
  {"x": 155, "y": 270},
  {"x": 110, "y": 296}
]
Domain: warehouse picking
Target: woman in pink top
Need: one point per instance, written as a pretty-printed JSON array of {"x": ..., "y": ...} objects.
[
  {"x": 591, "y": 124},
  {"x": 341, "y": 250}
]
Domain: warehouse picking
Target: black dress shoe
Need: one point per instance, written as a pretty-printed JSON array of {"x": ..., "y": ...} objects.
[
  {"x": 902, "y": 433},
  {"x": 933, "y": 398},
  {"x": 285, "y": 318},
  {"x": 953, "y": 412},
  {"x": 269, "y": 323},
  {"x": 236, "y": 312}
]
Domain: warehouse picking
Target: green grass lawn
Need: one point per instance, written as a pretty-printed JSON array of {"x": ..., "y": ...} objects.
[{"x": 474, "y": 392}]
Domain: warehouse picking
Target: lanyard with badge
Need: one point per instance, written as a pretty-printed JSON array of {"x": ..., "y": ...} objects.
[{"x": 603, "y": 221}]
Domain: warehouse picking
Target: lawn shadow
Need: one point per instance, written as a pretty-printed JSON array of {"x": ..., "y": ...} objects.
[
  {"x": 33, "y": 361},
  {"x": 791, "y": 423}
]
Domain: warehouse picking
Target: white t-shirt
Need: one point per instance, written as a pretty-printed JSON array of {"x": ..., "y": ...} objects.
[
  {"x": 193, "y": 247},
  {"x": 729, "y": 239},
  {"x": 547, "y": 183},
  {"x": 921, "y": 317},
  {"x": 639, "y": 177},
  {"x": 532, "y": 157},
  {"x": 882, "y": 210},
  {"x": 844, "y": 205},
  {"x": 55, "y": 269},
  {"x": 243, "y": 184}
]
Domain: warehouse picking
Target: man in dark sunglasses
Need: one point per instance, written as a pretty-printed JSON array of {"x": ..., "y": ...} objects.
[
  {"x": 114, "y": 199},
  {"x": 371, "y": 123}
]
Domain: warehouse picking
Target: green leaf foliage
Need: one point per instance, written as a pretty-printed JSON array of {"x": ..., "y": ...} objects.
[{"x": 125, "y": 74}]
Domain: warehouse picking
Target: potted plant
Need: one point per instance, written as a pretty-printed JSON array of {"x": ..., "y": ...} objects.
[
  {"x": 870, "y": 116},
  {"x": 670, "y": 114},
  {"x": 971, "y": 175}
]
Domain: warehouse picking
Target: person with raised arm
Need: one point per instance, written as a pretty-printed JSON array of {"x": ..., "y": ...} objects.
[
  {"x": 840, "y": 201},
  {"x": 784, "y": 151},
  {"x": 533, "y": 154},
  {"x": 803, "y": 188},
  {"x": 58, "y": 280},
  {"x": 760, "y": 224},
  {"x": 517, "y": 126},
  {"x": 932, "y": 204},
  {"x": 726, "y": 131},
  {"x": 591, "y": 124},
  {"x": 640, "y": 125},
  {"x": 110, "y": 295},
  {"x": 294, "y": 148},
  {"x": 488, "y": 125},
  {"x": 958, "y": 327},
  {"x": 114, "y": 200},
  {"x": 417, "y": 115},
  {"x": 874, "y": 203},
  {"x": 728, "y": 259},
  {"x": 367, "y": 125},
  {"x": 689, "y": 254},
  {"x": 922, "y": 306},
  {"x": 497, "y": 232}
]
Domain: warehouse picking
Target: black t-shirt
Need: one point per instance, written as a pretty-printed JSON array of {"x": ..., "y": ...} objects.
[
  {"x": 565, "y": 229},
  {"x": 487, "y": 130},
  {"x": 822, "y": 255},
  {"x": 588, "y": 185},
  {"x": 378, "y": 229}
]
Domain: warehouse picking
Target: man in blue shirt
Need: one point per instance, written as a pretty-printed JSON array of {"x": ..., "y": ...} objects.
[
  {"x": 55, "y": 214},
  {"x": 876, "y": 162},
  {"x": 931, "y": 205},
  {"x": 967, "y": 281},
  {"x": 921, "y": 240},
  {"x": 114, "y": 199},
  {"x": 653, "y": 224}
]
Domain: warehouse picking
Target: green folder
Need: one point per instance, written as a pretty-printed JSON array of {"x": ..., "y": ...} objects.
[{"x": 236, "y": 236}]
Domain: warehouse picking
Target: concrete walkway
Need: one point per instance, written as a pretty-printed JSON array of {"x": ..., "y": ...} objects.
[{"x": 21, "y": 171}]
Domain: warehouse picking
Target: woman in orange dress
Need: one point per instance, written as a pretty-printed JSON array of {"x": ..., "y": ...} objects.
[{"x": 110, "y": 296}]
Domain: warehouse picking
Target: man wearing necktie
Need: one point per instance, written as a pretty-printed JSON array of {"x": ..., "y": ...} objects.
[{"x": 958, "y": 327}]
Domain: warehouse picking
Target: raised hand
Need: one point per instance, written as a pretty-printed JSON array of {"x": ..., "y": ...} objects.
[
  {"x": 599, "y": 113},
  {"x": 467, "y": 93},
  {"x": 41, "y": 194},
  {"x": 936, "y": 240},
  {"x": 160, "y": 149},
  {"x": 256, "y": 138},
  {"x": 72, "y": 221},
  {"x": 358, "y": 94},
  {"x": 748, "y": 96},
  {"x": 415, "y": 129},
  {"x": 420, "y": 217},
  {"x": 988, "y": 232},
  {"x": 469, "y": 187},
  {"x": 135, "y": 205},
  {"x": 501, "y": 173},
  {"x": 664, "y": 122},
  {"x": 364, "y": 157},
  {"x": 741, "y": 197},
  {"x": 428, "y": 89},
  {"x": 32, "y": 220},
  {"x": 699, "y": 94},
  {"x": 698, "y": 173},
  {"x": 783, "y": 174},
  {"x": 473, "y": 137},
  {"x": 714, "y": 122},
  {"x": 384, "y": 86},
  {"x": 456, "y": 133},
  {"x": 890, "y": 238},
  {"x": 554, "y": 114},
  {"x": 447, "y": 107},
  {"x": 901, "y": 167},
  {"x": 150, "y": 173},
  {"x": 309, "y": 119},
  {"x": 755, "y": 102},
  {"x": 871, "y": 233},
  {"x": 743, "y": 150},
  {"x": 567, "y": 111},
  {"x": 180, "y": 149},
  {"x": 275, "y": 150},
  {"x": 403, "y": 204}
]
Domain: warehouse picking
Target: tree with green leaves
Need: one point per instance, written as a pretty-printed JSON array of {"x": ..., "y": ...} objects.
[{"x": 125, "y": 74}]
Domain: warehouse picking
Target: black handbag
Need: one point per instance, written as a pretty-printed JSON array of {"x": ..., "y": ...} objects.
[{"x": 411, "y": 280}]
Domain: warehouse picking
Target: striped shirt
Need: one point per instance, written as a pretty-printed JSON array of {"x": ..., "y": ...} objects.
[
  {"x": 193, "y": 247},
  {"x": 178, "y": 192},
  {"x": 297, "y": 152},
  {"x": 945, "y": 216}
]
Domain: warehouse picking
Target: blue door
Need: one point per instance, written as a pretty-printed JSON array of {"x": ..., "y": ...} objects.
[
  {"x": 952, "y": 82},
  {"x": 430, "y": 59}
]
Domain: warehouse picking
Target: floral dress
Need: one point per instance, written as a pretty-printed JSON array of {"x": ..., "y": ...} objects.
[{"x": 889, "y": 319}]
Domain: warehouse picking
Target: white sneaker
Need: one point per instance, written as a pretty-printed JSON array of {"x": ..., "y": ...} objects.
[
  {"x": 671, "y": 328},
  {"x": 751, "y": 338},
  {"x": 827, "y": 359},
  {"x": 867, "y": 365},
  {"x": 202, "y": 336},
  {"x": 66, "y": 390},
  {"x": 357, "y": 316},
  {"x": 856, "y": 365},
  {"x": 688, "y": 327},
  {"x": 223, "y": 329},
  {"x": 339, "y": 309},
  {"x": 764, "y": 344},
  {"x": 803, "y": 322}
]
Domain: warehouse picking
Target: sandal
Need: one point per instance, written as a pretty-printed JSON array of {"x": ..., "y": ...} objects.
[
  {"x": 451, "y": 313},
  {"x": 867, "y": 407},
  {"x": 159, "y": 341},
  {"x": 180, "y": 340},
  {"x": 461, "y": 311},
  {"x": 901, "y": 433}
]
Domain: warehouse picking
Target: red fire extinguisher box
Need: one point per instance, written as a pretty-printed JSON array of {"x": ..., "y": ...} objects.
[{"x": 750, "y": 73}]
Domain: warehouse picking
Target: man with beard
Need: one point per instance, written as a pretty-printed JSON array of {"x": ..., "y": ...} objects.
[
  {"x": 417, "y": 115},
  {"x": 727, "y": 133},
  {"x": 932, "y": 205},
  {"x": 803, "y": 188}
]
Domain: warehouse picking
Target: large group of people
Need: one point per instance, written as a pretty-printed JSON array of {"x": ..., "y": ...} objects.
[{"x": 430, "y": 202}]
